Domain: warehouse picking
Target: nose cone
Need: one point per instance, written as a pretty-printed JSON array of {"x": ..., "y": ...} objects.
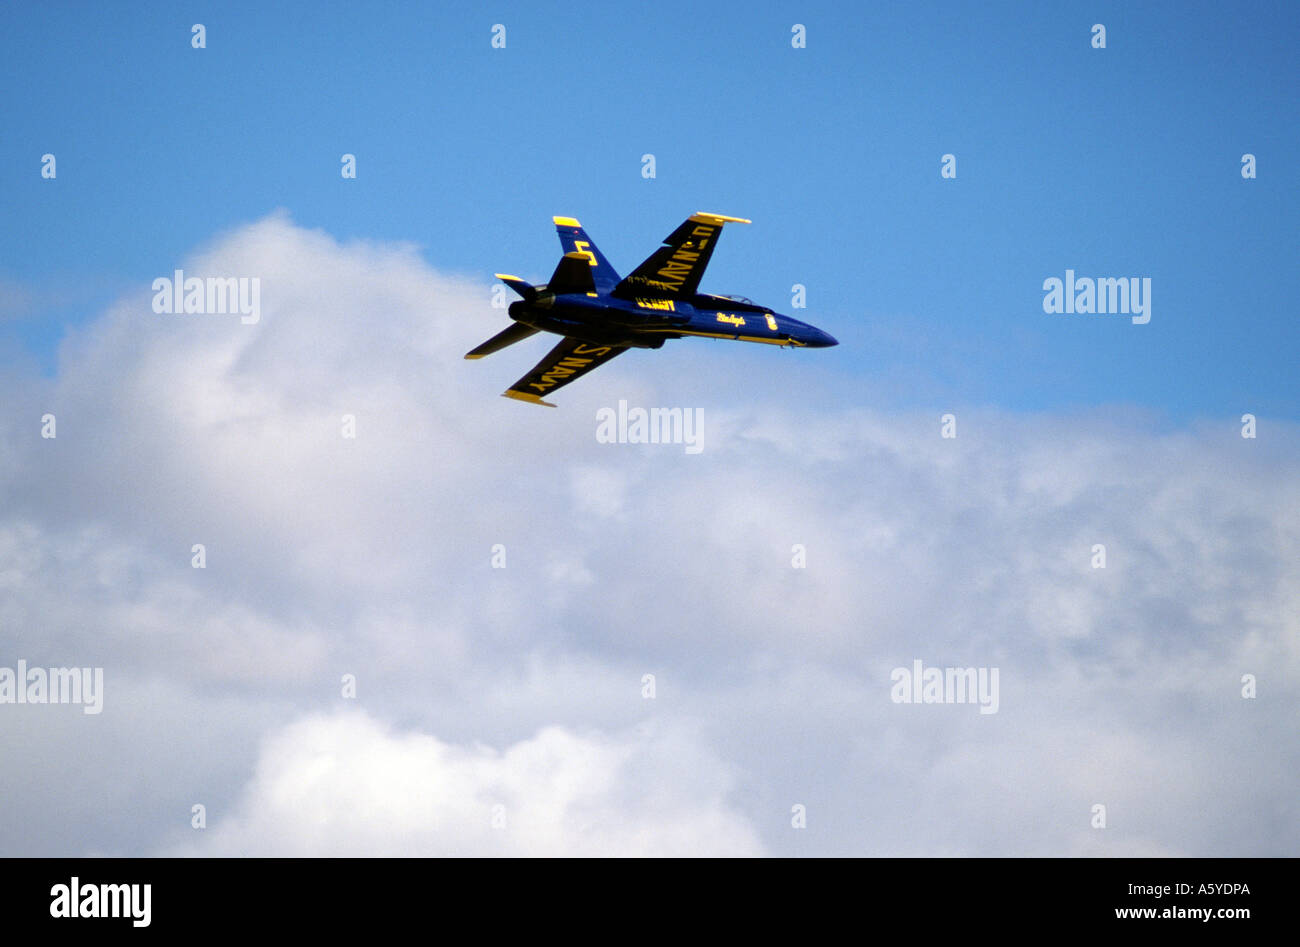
[
  {"x": 804, "y": 334},
  {"x": 821, "y": 340}
]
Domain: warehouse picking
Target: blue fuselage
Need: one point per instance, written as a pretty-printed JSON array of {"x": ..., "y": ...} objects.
[{"x": 646, "y": 322}]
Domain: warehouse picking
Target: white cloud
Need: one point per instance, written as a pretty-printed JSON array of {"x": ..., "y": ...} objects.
[
  {"x": 345, "y": 785},
  {"x": 371, "y": 556}
]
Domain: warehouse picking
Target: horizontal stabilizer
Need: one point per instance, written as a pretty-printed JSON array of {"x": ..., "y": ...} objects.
[
  {"x": 515, "y": 332},
  {"x": 519, "y": 286}
]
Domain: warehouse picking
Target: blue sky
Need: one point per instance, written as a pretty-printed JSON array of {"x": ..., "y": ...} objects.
[
  {"x": 1116, "y": 162},
  {"x": 329, "y": 555}
]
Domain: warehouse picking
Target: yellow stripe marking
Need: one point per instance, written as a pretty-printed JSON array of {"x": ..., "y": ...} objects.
[
  {"x": 725, "y": 335},
  {"x": 566, "y": 222}
]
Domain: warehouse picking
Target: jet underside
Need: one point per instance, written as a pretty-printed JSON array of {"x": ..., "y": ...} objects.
[{"x": 600, "y": 316}]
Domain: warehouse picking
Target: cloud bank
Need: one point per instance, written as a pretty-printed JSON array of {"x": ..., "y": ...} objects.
[{"x": 524, "y": 687}]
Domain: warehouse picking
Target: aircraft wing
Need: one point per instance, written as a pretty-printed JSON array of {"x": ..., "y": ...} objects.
[
  {"x": 568, "y": 361},
  {"x": 676, "y": 267}
]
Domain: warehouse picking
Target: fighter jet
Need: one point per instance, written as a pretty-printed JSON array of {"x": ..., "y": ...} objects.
[{"x": 601, "y": 316}]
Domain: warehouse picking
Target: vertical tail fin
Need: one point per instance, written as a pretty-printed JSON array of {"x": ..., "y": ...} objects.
[{"x": 575, "y": 240}]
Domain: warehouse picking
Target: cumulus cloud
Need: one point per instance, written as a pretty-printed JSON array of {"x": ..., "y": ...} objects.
[
  {"x": 372, "y": 556},
  {"x": 345, "y": 785}
]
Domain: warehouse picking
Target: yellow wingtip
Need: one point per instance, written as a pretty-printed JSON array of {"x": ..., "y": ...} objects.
[
  {"x": 704, "y": 217},
  {"x": 525, "y": 396}
]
